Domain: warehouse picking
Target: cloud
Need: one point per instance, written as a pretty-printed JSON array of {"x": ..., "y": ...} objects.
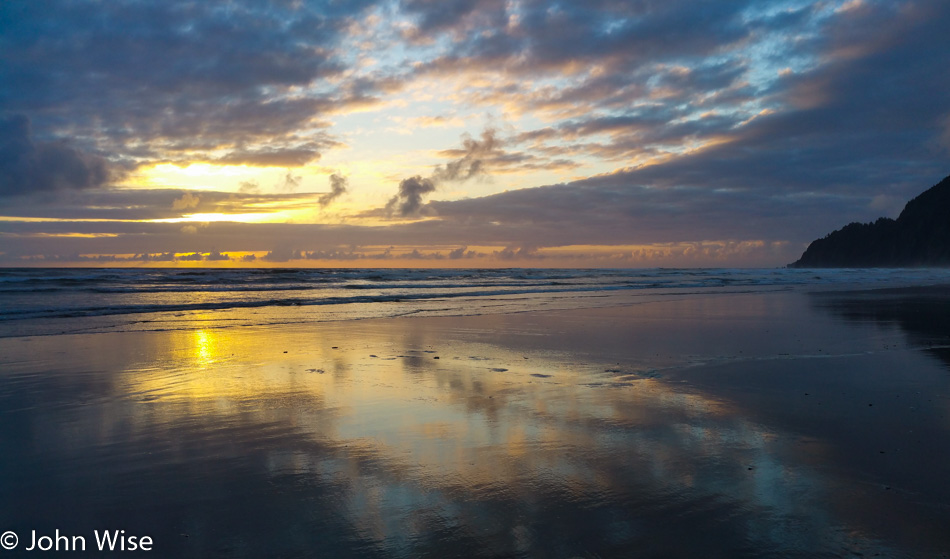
[
  {"x": 158, "y": 257},
  {"x": 187, "y": 201},
  {"x": 470, "y": 161},
  {"x": 624, "y": 208},
  {"x": 215, "y": 256},
  {"x": 437, "y": 121},
  {"x": 518, "y": 253},
  {"x": 288, "y": 157},
  {"x": 461, "y": 252},
  {"x": 28, "y": 167},
  {"x": 453, "y": 16},
  {"x": 282, "y": 254},
  {"x": 149, "y": 204},
  {"x": 944, "y": 140},
  {"x": 642, "y": 89},
  {"x": 289, "y": 183},
  {"x": 409, "y": 198},
  {"x": 471, "y": 158},
  {"x": 249, "y": 187},
  {"x": 534, "y": 38},
  {"x": 793, "y": 172},
  {"x": 155, "y": 81},
  {"x": 697, "y": 125},
  {"x": 337, "y": 188}
]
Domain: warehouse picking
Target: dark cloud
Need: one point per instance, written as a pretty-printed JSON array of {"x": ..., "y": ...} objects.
[
  {"x": 75, "y": 258},
  {"x": 434, "y": 17},
  {"x": 151, "y": 204},
  {"x": 331, "y": 255},
  {"x": 136, "y": 77},
  {"x": 518, "y": 253},
  {"x": 352, "y": 254},
  {"x": 282, "y": 254},
  {"x": 470, "y": 161},
  {"x": 338, "y": 186},
  {"x": 536, "y": 37},
  {"x": 650, "y": 76},
  {"x": 471, "y": 158},
  {"x": 617, "y": 210},
  {"x": 521, "y": 242},
  {"x": 461, "y": 252},
  {"x": 215, "y": 256},
  {"x": 290, "y": 157},
  {"x": 712, "y": 125},
  {"x": 409, "y": 198},
  {"x": 28, "y": 167},
  {"x": 158, "y": 257},
  {"x": 866, "y": 121}
]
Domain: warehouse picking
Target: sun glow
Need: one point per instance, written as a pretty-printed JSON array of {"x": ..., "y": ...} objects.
[
  {"x": 206, "y": 176},
  {"x": 280, "y": 216}
]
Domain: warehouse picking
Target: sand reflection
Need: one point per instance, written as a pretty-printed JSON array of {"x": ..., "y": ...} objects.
[{"x": 400, "y": 438}]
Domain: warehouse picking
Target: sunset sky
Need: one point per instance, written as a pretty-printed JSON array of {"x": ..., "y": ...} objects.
[{"x": 462, "y": 132}]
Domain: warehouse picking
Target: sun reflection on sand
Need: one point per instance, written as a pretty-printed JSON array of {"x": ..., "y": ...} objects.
[
  {"x": 412, "y": 432},
  {"x": 205, "y": 347},
  {"x": 407, "y": 432}
]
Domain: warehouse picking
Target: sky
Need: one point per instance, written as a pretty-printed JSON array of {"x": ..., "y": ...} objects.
[{"x": 462, "y": 133}]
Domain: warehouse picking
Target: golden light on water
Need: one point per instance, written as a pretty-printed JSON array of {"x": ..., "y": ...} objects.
[
  {"x": 479, "y": 412},
  {"x": 407, "y": 412},
  {"x": 205, "y": 347}
]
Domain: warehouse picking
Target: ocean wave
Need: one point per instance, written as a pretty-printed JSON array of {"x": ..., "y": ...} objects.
[{"x": 49, "y": 295}]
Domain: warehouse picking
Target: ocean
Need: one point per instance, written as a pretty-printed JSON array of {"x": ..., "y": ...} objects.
[{"x": 49, "y": 301}]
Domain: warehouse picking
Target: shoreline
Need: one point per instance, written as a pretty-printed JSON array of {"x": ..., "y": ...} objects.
[
  {"x": 218, "y": 318},
  {"x": 69, "y": 301},
  {"x": 679, "y": 425},
  {"x": 938, "y": 289}
]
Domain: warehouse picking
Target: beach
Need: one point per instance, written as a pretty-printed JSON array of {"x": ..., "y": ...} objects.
[
  {"x": 475, "y": 279},
  {"x": 747, "y": 424}
]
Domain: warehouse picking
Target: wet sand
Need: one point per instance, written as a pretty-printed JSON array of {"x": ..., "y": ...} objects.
[{"x": 741, "y": 425}]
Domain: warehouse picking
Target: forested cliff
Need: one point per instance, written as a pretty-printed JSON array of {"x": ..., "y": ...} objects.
[{"x": 920, "y": 236}]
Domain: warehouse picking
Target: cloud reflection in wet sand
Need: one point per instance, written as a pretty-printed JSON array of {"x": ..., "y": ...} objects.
[{"x": 353, "y": 439}]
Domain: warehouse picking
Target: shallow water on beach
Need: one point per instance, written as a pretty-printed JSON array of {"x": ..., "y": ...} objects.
[
  {"x": 742, "y": 425},
  {"x": 53, "y": 301}
]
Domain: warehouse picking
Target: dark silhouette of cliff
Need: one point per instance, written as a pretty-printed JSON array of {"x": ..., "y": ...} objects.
[{"x": 920, "y": 236}]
